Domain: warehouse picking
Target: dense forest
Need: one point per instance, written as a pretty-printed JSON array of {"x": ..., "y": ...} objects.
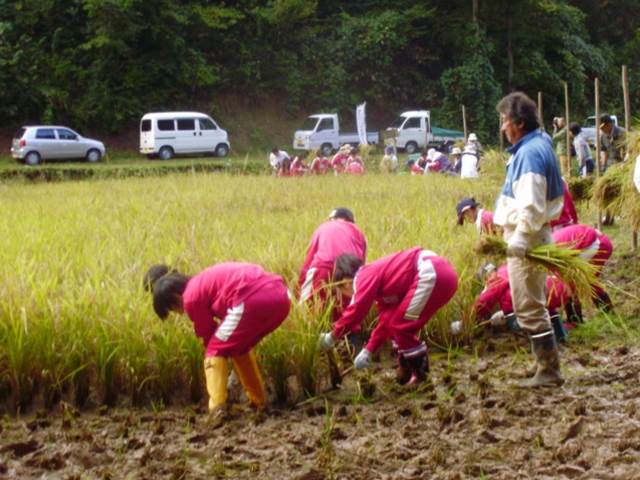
[{"x": 105, "y": 62}]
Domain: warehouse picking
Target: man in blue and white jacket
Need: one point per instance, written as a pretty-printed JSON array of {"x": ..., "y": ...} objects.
[{"x": 532, "y": 196}]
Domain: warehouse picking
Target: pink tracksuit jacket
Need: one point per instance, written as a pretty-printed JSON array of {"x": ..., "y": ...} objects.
[
  {"x": 568, "y": 216},
  {"x": 320, "y": 165},
  {"x": 497, "y": 291},
  {"x": 330, "y": 240},
  {"x": 247, "y": 302},
  {"x": 339, "y": 162},
  {"x": 408, "y": 287}
]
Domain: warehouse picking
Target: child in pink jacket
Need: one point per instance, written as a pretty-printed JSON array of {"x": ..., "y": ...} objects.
[
  {"x": 408, "y": 287},
  {"x": 232, "y": 306}
]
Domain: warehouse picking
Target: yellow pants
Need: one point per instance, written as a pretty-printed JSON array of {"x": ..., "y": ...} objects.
[{"x": 216, "y": 373}]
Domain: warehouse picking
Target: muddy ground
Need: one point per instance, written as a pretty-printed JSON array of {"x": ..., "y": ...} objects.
[{"x": 471, "y": 424}]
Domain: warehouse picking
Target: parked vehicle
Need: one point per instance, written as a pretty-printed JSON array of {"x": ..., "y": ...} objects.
[
  {"x": 415, "y": 132},
  {"x": 34, "y": 143},
  {"x": 322, "y": 131},
  {"x": 589, "y": 128},
  {"x": 167, "y": 134}
]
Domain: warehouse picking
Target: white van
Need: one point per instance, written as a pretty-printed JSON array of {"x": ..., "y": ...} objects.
[{"x": 173, "y": 133}]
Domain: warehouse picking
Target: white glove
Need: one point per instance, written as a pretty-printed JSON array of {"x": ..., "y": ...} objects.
[
  {"x": 518, "y": 244},
  {"x": 498, "y": 319},
  {"x": 327, "y": 342},
  {"x": 456, "y": 327},
  {"x": 363, "y": 359}
]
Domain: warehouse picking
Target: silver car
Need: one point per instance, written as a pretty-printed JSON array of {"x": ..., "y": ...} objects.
[{"x": 33, "y": 144}]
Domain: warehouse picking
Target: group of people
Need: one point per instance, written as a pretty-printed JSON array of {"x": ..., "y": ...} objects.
[
  {"x": 346, "y": 160},
  {"x": 612, "y": 141},
  {"x": 464, "y": 163},
  {"x": 234, "y": 305}
]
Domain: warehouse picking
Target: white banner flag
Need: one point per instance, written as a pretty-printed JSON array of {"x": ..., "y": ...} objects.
[{"x": 361, "y": 123}]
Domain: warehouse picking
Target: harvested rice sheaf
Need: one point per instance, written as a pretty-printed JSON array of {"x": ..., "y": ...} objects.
[
  {"x": 564, "y": 262},
  {"x": 580, "y": 188}
]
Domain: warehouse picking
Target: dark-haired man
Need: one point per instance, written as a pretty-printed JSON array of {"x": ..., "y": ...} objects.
[
  {"x": 408, "y": 287},
  {"x": 531, "y": 197}
]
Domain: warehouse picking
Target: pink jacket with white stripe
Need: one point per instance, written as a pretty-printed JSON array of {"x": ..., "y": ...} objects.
[
  {"x": 211, "y": 293},
  {"x": 329, "y": 241},
  {"x": 578, "y": 237},
  {"x": 386, "y": 281},
  {"x": 569, "y": 215}
]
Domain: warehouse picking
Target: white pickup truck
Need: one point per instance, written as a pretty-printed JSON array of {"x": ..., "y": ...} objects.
[
  {"x": 322, "y": 131},
  {"x": 414, "y": 131}
]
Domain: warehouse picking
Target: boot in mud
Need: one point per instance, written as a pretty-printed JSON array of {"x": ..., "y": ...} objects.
[
  {"x": 545, "y": 350},
  {"x": 573, "y": 310},
  {"x": 419, "y": 369},
  {"x": 218, "y": 416},
  {"x": 603, "y": 302},
  {"x": 403, "y": 371}
]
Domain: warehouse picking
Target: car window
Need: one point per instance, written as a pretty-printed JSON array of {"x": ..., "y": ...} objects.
[
  {"x": 165, "y": 125},
  {"x": 45, "y": 133},
  {"x": 206, "y": 124},
  {"x": 145, "y": 125},
  {"x": 186, "y": 124},
  {"x": 64, "y": 134},
  {"x": 325, "y": 124},
  {"x": 413, "y": 122},
  {"x": 20, "y": 133}
]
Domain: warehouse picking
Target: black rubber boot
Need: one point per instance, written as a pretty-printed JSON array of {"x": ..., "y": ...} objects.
[
  {"x": 603, "y": 302},
  {"x": 558, "y": 327},
  {"x": 403, "y": 370},
  {"x": 573, "y": 309},
  {"x": 419, "y": 368},
  {"x": 545, "y": 350}
]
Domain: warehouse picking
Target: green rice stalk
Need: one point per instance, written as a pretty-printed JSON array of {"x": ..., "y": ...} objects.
[{"x": 565, "y": 262}]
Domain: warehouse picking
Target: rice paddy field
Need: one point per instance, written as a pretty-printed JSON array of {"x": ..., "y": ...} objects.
[{"x": 93, "y": 385}]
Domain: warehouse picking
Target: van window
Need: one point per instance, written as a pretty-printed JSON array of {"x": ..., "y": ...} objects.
[
  {"x": 165, "y": 125},
  {"x": 186, "y": 124},
  {"x": 206, "y": 124},
  {"x": 64, "y": 134},
  {"x": 20, "y": 133},
  {"x": 413, "y": 122},
  {"x": 325, "y": 124},
  {"x": 145, "y": 126},
  {"x": 45, "y": 133}
]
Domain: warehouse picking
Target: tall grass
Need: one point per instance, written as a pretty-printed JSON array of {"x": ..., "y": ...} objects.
[{"x": 75, "y": 322}]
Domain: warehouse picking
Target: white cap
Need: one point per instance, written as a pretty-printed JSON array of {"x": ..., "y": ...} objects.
[
  {"x": 431, "y": 154},
  {"x": 456, "y": 151},
  {"x": 473, "y": 137}
]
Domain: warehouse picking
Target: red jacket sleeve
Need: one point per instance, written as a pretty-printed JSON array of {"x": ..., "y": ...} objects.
[
  {"x": 364, "y": 294},
  {"x": 489, "y": 297},
  {"x": 380, "y": 333},
  {"x": 311, "y": 251},
  {"x": 202, "y": 318},
  {"x": 571, "y": 207}
]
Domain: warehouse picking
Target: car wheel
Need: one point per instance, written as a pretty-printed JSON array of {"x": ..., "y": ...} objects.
[
  {"x": 222, "y": 150},
  {"x": 411, "y": 147},
  {"x": 326, "y": 149},
  {"x": 165, "y": 153},
  {"x": 93, "y": 156},
  {"x": 32, "y": 158}
]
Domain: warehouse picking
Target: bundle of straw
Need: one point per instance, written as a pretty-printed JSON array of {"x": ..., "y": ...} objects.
[
  {"x": 580, "y": 188},
  {"x": 560, "y": 259}
]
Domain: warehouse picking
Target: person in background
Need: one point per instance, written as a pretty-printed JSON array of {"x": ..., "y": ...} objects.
[
  {"x": 569, "y": 215},
  {"x": 277, "y": 160},
  {"x": 560, "y": 139},
  {"x": 320, "y": 164},
  {"x": 469, "y": 210},
  {"x": 408, "y": 287},
  {"x": 355, "y": 165},
  {"x": 612, "y": 140},
  {"x": 469, "y": 162},
  {"x": 415, "y": 168},
  {"x": 473, "y": 142},
  {"x": 586, "y": 165},
  {"x": 232, "y": 306},
  {"x": 298, "y": 167},
  {"x": 596, "y": 248},
  {"x": 337, "y": 236},
  {"x": 434, "y": 161},
  {"x": 339, "y": 160},
  {"x": 456, "y": 155},
  {"x": 495, "y": 304},
  {"x": 531, "y": 197},
  {"x": 389, "y": 162}
]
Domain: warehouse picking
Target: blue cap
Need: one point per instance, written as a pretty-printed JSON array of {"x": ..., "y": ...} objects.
[{"x": 464, "y": 205}]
